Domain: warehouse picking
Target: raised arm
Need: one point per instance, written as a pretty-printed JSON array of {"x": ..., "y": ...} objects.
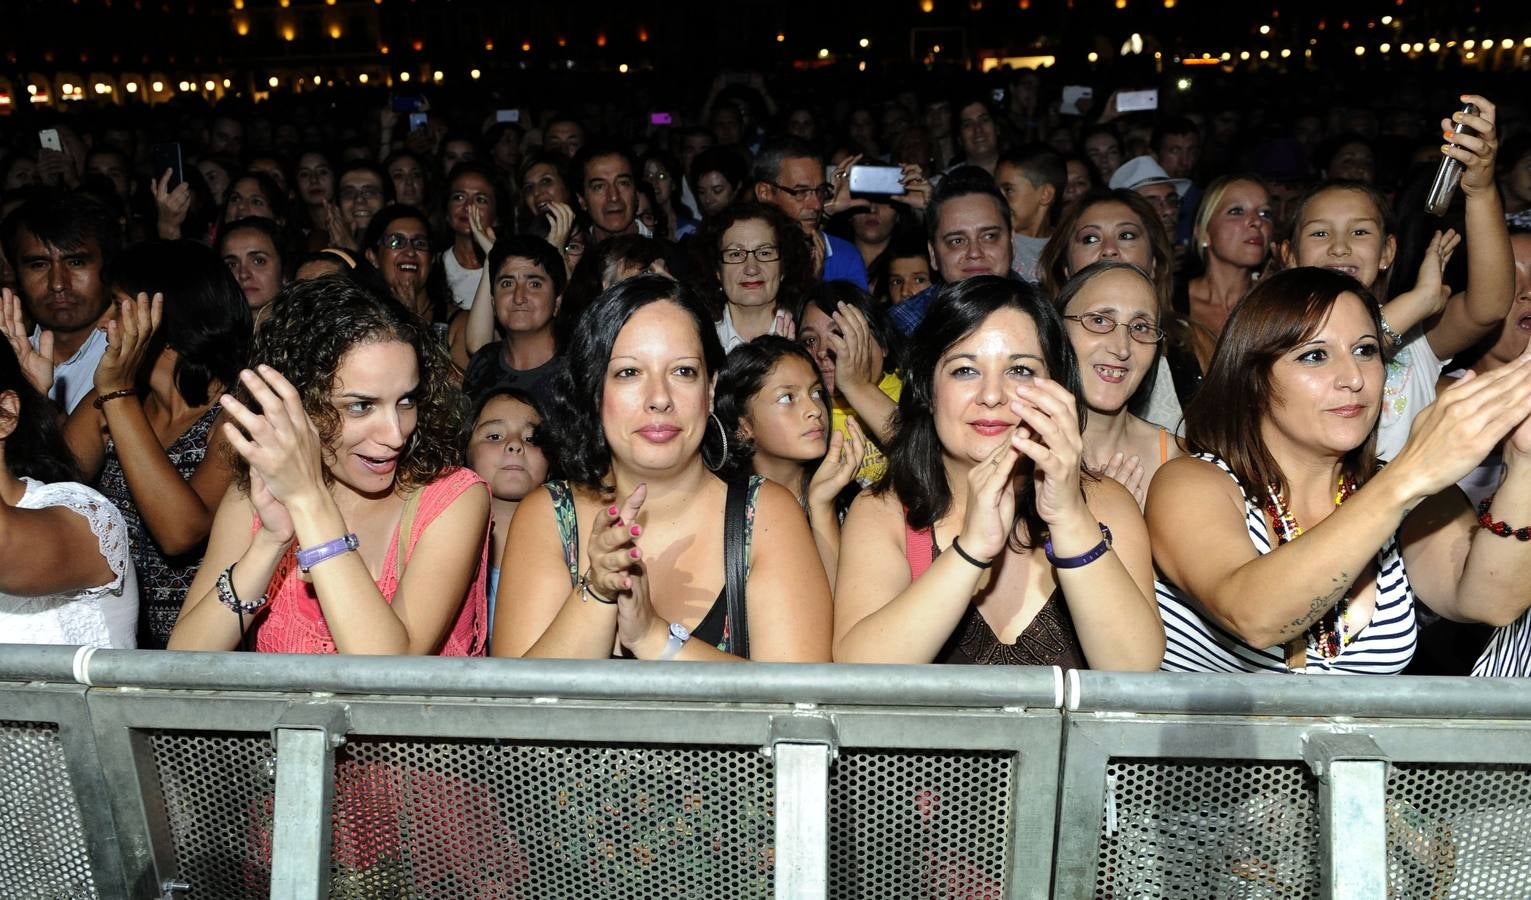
[
  {"x": 1490, "y": 263},
  {"x": 858, "y": 370},
  {"x": 480, "y": 328}
]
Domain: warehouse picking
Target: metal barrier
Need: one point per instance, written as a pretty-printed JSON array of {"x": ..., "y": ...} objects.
[{"x": 138, "y": 774}]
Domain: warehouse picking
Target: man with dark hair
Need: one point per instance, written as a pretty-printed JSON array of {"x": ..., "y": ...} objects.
[
  {"x": 362, "y": 188},
  {"x": 606, "y": 183},
  {"x": 59, "y": 243},
  {"x": 967, "y": 229},
  {"x": 1177, "y": 148},
  {"x": 1032, "y": 180},
  {"x": 789, "y": 174},
  {"x": 563, "y": 134}
]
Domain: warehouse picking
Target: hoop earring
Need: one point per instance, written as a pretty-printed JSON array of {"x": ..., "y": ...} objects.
[{"x": 712, "y": 418}]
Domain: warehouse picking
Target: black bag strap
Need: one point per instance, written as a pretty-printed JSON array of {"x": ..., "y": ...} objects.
[{"x": 734, "y": 567}]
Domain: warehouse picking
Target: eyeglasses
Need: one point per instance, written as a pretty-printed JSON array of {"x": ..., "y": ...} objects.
[
  {"x": 824, "y": 192},
  {"x": 400, "y": 241},
  {"x": 347, "y": 193},
  {"x": 765, "y": 253},
  {"x": 1139, "y": 330}
]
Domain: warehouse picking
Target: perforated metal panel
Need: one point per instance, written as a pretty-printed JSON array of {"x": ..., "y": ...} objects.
[
  {"x": 912, "y": 824},
  {"x": 42, "y": 837},
  {"x": 483, "y": 819},
  {"x": 1244, "y": 830},
  {"x": 218, "y": 791},
  {"x": 1459, "y": 832}
]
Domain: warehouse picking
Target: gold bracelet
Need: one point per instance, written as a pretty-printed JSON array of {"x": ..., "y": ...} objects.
[{"x": 102, "y": 400}]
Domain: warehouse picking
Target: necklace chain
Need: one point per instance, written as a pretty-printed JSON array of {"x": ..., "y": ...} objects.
[{"x": 1332, "y": 631}]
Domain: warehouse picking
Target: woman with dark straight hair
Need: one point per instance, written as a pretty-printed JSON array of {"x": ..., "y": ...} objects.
[
  {"x": 1046, "y": 565},
  {"x": 630, "y": 427},
  {"x": 1284, "y": 437}
]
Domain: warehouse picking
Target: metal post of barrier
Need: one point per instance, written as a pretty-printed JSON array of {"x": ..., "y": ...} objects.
[
  {"x": 803, "y": 746},
  {"x": 1352, "y": 798},
  {"x": 305, "y": 738}
]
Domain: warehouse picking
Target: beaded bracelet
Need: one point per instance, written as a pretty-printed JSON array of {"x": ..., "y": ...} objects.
[
  {"x": 1392, "y": 336},
  {"x": 1500, "y": 529},
  {"x": 226, "y": 595},
  {"x": 103, "y": 399}
]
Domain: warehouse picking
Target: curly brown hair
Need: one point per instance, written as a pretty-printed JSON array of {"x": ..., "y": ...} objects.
[
  {"x": 307, "y": 331},
  {"x": 796, "y": 255}
]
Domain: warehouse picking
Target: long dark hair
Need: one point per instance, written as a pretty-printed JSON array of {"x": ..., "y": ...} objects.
[
  {"x": 827, "y": 297},
  {"x": 206, "y": 319},
  {"x": 1278, "y": 314},
  {"x": 743, "y": 374},
  {"x": 575, "y": 435},
  {"x": 1054, "y": 261},
  {"x": 35, "y": 447},
  {"x": 916, "y": 472}
]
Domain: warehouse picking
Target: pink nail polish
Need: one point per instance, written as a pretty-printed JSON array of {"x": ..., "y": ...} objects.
[
  {"x": 611, "y": 511},
  {"x": 635, "y": 531},
  {"x": 633, "y": 553}
]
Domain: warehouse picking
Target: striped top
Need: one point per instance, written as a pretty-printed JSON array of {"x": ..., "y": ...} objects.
[
  {"x": 1194, "y": 643},
  {"x": 1508, "y": 654}
]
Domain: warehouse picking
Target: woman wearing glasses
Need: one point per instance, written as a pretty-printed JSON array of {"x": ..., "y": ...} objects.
[
  {"x": 398, "y": 242},
  {"x": 1111, "y": 314},
  {"x": 759, "y": 266}
]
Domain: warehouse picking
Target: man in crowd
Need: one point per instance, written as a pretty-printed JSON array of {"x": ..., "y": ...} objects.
[
  {"x": 789, "y": 174},
  {"x": 967, "y": 226}
]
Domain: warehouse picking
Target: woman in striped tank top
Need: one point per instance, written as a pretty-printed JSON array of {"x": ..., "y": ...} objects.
[{"x": 1283, "y": 434}]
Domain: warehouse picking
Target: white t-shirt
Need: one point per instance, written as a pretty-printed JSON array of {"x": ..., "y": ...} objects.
[
  {"x": 1409, "y": 388},
  {"x": 462, "y": 281},
  {"x": 102, "y": 616}
]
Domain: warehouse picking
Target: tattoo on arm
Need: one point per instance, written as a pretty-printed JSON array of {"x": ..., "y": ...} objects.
[{"x": 1319, "y": 605}]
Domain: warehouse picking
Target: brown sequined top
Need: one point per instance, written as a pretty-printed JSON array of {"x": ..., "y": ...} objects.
[{"x": 1048, "y": 640}]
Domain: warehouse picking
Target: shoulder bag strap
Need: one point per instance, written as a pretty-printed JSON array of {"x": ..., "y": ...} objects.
[
  {"x": 735, "y": 567},
  {"x": 406, "y": 525}
]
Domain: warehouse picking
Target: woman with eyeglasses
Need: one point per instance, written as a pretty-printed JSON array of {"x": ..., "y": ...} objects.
[
  {"x": 398, "y": 242},
  {"x": 759, "y": 264},
  {"x": 1111, "y": 314}
]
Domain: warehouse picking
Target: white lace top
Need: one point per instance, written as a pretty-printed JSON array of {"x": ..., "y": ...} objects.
[{"x": 101, "y": 616}]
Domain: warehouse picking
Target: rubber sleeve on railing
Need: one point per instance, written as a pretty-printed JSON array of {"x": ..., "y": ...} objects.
[{"x": 82, "y": 657}]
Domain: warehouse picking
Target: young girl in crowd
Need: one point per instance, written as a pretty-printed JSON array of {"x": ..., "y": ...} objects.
[
  {"x": 502, "y": 451},
  {"x": 68, "y": 576},
  {"x": 352, "y": 527},
  {"x": 627, "y": 555},
  {"x": 1011, "y": 553},
  {"x": 1347, "y": 227},
  {"x": 775, "y": 409},
  {"x": 1112, "y": 315}
]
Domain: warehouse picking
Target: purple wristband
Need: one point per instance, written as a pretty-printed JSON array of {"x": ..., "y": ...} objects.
[
  {"x": 308, "y": 557},
  {"x": 1083, "y": 559}
]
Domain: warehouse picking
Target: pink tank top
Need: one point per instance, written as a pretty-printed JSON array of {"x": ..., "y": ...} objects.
[{"x": 294, "y": 623}]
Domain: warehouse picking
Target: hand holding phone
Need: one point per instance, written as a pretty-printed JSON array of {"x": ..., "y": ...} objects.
[
  {"x": 168, "y": 156},
  {"x": 1137, "y": 101},
  {"x": 1072, "y": 95}
]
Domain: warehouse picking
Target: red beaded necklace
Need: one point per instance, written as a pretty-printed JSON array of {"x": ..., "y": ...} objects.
[{"x": 1331, "y": 632}]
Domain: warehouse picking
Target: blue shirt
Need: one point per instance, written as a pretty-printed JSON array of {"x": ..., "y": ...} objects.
[
  {"x": 842, "y": 262},
  {"x": 908, "y": 315}
]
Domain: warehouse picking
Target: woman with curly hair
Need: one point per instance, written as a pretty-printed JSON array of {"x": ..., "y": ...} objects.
[{"x": 352, "y": 527}]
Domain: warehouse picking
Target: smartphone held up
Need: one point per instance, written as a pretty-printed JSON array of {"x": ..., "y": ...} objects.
[{"x": 1448, "y": 175}]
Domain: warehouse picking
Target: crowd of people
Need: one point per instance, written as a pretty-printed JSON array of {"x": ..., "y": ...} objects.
[{"x": 1141, "y": 391}]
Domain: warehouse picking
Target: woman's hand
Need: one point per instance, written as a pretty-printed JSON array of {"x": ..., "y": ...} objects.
[
  {"x": 560, "y": 224},
  {"x": 839, "y": 465},
  {"x": 1456, "y": 432},
  {"x": 342, "y": 236},
  {"x": 483, "y": 234},
  {"x": 1474, "y": 151},
  {"x": 275, "y": 520},
  {"x": 1055, "y": 446},
  {"x": 1128, "y": 471},
  {"x": 616, "y": 568},
  {"x": 282, "y": 445},
  {"x": 783, "y": 325},
  {"x": 1432, "y": 269},
  {"x": 990, "y": 515},
  {"x": 916, "y": 187},
  {"x": 840, "y": 180},
  {"x": 171, "y": 205},
  {"x": 127, "y": 341},
  {"x": 37, "y": 364},
  {"x": 858, "y": 358}
]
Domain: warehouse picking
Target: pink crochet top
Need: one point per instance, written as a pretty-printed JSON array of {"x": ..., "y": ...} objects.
[{"x": 293, "y": 622}]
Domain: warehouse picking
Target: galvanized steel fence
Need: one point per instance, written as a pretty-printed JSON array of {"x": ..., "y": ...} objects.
[{"x": 141, "y": 774}]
